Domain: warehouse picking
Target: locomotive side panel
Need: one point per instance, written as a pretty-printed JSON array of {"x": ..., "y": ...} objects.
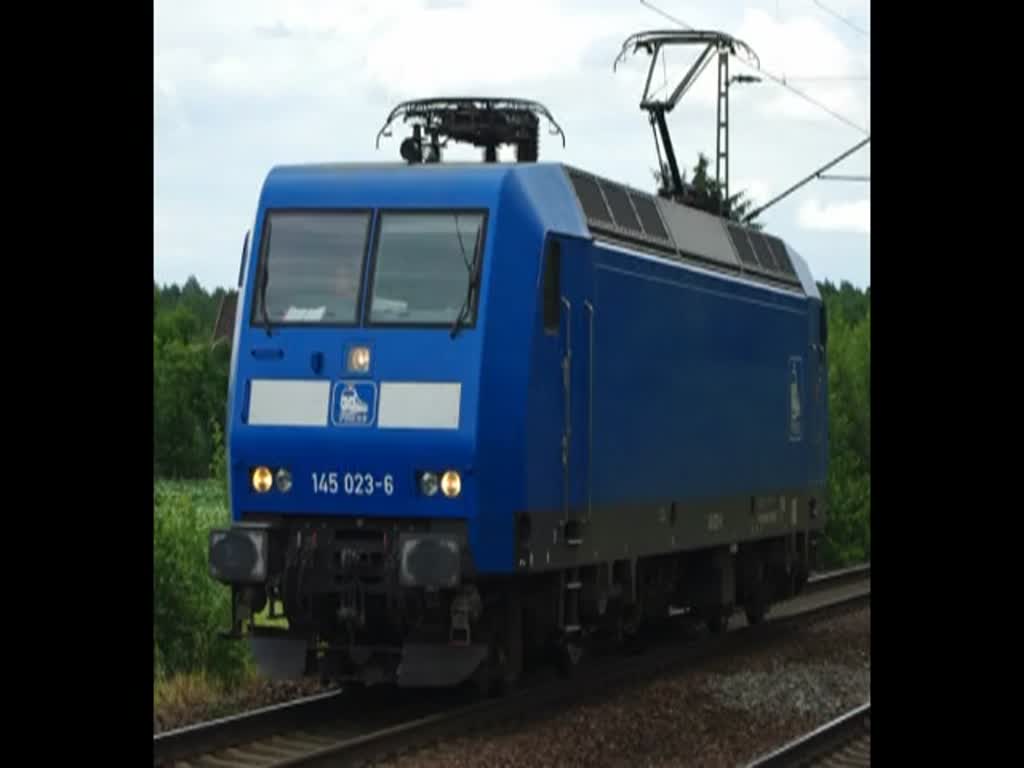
[
  {"x": 557, "y": 417},
  {"x": 688, "y": 398},
  {"x": 692, "y": 383},
  {"x": 698, "y": 386}
]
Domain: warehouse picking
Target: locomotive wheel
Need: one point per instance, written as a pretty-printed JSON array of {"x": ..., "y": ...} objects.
[
  {"x": 612, "y": 634},
  {"x": 800, "y": 581},
  {"x": 567, "y": 657},
  {"x": 718, "y": 621},
  {"x": 512, "y": 668},
  {"x": 503, "y": 667},
  {"x": 632, "y": 631},
  {"x": 755, "y": 612},
  {"x": 490, "y": 678}
]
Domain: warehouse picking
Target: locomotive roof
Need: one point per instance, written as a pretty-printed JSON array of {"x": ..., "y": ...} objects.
[{"x": 566, "y": 199}]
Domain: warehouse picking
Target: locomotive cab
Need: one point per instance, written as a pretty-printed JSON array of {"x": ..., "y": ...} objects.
[
  {"x": 352, "y": 429},
  {"x": 353, "y": 432}
]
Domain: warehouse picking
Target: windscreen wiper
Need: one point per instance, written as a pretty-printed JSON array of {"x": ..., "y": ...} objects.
[
  {"x": 264, "y": 279},
  {"x": 474, "y": 276}
]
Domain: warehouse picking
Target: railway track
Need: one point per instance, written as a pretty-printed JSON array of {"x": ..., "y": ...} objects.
[
  {"x": 335, "y": 729},
  {"x": 280, "y": 734},
  {"x": 843, "y": 743}
]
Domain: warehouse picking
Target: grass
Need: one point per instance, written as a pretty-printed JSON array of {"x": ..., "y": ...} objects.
[
  {"x": 188, "y": 696},
  {"x": 195, "y": 697},
  {"x": 189, "y": 607},
  {"x": 209, "y": 496},
  {"x": 194, "y": 670}
]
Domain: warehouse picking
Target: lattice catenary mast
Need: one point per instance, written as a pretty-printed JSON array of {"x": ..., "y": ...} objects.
[{"x": 713, "y": 42}]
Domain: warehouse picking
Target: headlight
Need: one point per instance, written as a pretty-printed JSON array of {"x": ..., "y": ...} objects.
[
  {"x": 284, "y": 480},
  {"x": 238, "y": 555},
  {"x": 262, "y": 479},
  {"x": 428, "y": 483},
  {"x": 359, "y": 359},
  {"x": 451, "y": 483}
]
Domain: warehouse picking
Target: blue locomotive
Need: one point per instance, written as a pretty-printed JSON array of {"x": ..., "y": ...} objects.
[{"x": 483, "y": 411}]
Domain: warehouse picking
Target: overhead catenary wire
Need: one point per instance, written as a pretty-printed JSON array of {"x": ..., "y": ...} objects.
[
  {"x": 815, "y": 175},
  {"x": 818, "y": 174},
  {"x": 668, "y": 16},
  {"x": 843, "y": 177},
  {"x": 841, "y": 18},
  {"x": 825, "y": 78},
  {"x": 776, "y": 78},
  {"x": 782, "y": 81}
]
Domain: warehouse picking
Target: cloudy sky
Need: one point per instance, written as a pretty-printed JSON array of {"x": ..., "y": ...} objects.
[{"x": 243, "y": 85}]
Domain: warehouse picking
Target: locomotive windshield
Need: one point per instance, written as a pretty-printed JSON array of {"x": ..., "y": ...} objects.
[
  {"x": 311, "y": 268},
  {"x": 423, "y": 266}
]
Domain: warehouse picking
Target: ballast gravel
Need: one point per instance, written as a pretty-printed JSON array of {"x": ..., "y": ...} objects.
[
  {"x": 725, "y": 714},
  {"x": 201, "y": 706}
]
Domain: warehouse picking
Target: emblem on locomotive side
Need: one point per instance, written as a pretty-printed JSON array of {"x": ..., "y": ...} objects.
[
  {"x": 352, "y": 408},
  {"x": 795, "y": 425},
  {"x": 353, "y": 403}
]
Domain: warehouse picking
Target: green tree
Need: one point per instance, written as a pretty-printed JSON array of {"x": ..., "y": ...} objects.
[
  {"x": 706, "y": 193},
  {"x": 846, "y": 301},
  {"x": 189, "y": 381},
  {"x": 848, "y": 531}
]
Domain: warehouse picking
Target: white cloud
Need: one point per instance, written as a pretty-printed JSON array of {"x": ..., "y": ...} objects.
[
  {"x": 242, "y": 86},
  {"x": 853, "y": 216},
  {"x": 485, "y": 46},
  {"x": 757, "y": 191},
  {"x": 809, "y": 47},
  {"x": 801, "y": 47},
  {"x": 857, "y": 12}
]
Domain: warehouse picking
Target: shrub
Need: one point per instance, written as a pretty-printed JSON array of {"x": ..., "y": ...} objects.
[
  {"x": 189, "y": 393},
  {"x": 848, "y": 531},
  {"x": 218, "y": 462},
  {"x": 189, "y": 607}
]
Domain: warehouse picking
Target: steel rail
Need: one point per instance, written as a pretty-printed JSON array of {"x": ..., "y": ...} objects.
[{"x": 845, "y": 741}]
